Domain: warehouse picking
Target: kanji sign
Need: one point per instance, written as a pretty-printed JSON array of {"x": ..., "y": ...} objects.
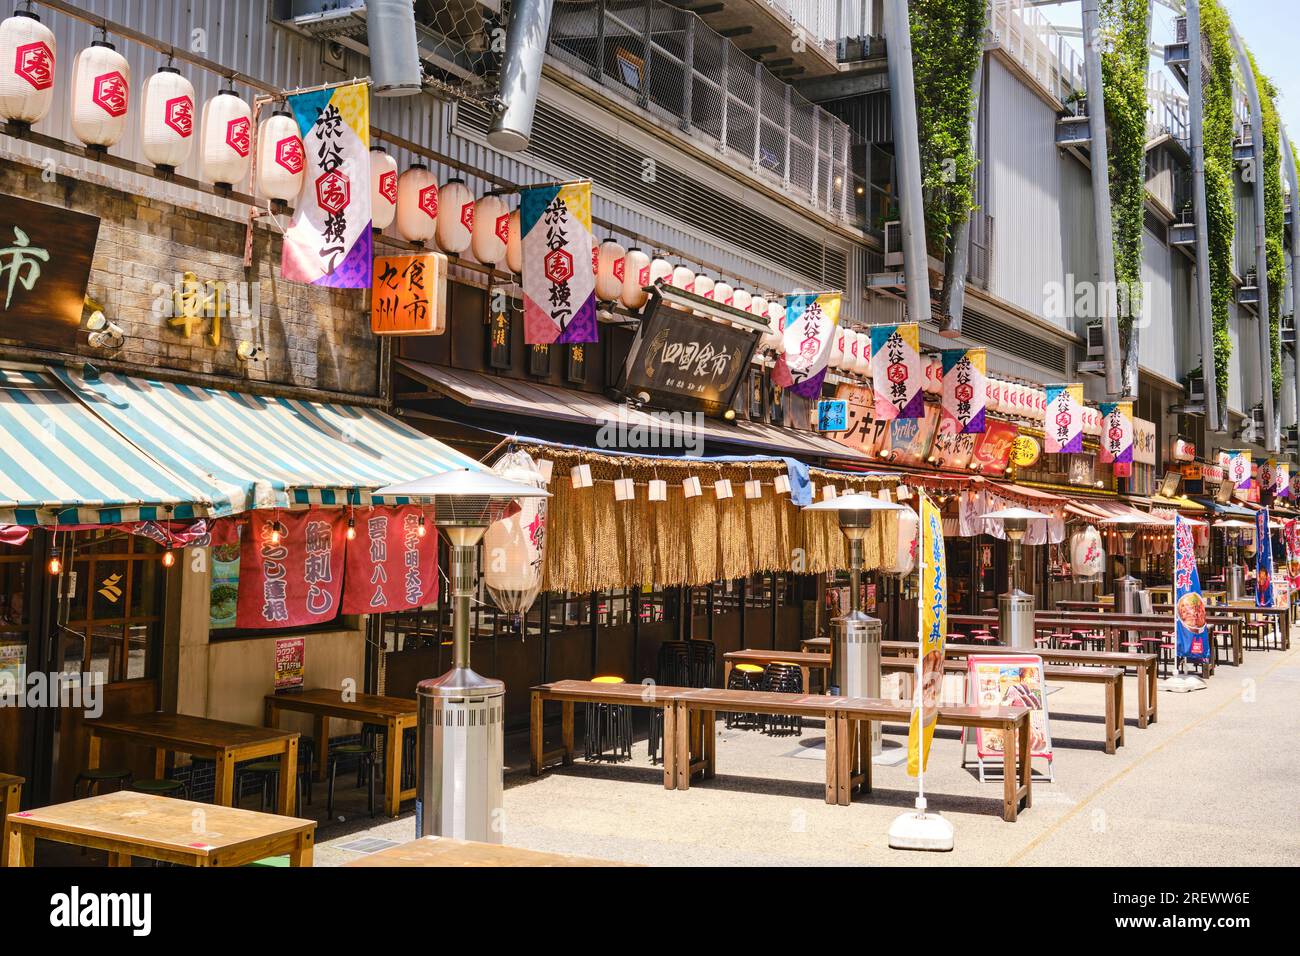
[
  {"x": 391, "y": 565},
  {"x": 408, "y": 295},
  {"x": 291, "y": 568}
]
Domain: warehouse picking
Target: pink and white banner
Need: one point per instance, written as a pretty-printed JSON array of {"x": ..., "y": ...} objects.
[
  {"x": 896, "y": 372},
  {"x": 811, "y": 322},
  {"x": 1063, "y": 423},
  {"x": 965, "y": 389}
]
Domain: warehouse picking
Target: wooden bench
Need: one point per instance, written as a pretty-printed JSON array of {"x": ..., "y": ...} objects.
[
  {"x": 848, "y": 744},
  {"x": 11, "y": 795}
]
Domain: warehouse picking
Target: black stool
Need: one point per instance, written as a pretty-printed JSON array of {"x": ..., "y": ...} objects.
[
  {"x": 608, "y": 726},
  {"x": 781, "y": 677},
  {"x": 365, "y": 758},
  {"x": 744, "y": 677},
  {"x": 95, "y": 778}
]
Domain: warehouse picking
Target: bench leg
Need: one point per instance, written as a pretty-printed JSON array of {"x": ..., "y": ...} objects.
[
  {"x": 566, "y": 731},
  {"x": 1111, "y": 730},
  {"x": 1026, "y": 766},
  {"x": 832, "y": 761},
  {"x": 1143, "y": 690},
  {"x": 1010, "y": 775},
  {"x": 535, "y": 734},
  {"x": 670, "y": 745},
  {"x": 1119, "y": 711},
  {"x": 844, "y": 758},
  {"x": 682, "y": 744},
  {"x": 708, "y": 741}
]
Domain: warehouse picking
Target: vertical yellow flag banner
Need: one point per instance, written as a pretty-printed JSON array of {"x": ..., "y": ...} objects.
[{"x": 933, "y": 628}]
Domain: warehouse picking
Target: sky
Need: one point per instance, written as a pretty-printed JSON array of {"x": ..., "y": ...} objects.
[{"x": 1270, "y": 28}]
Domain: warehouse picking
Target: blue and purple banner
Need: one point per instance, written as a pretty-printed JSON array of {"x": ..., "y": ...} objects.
[
  {"x": 1263, "y": 560},
  {"x": 1189, "y": 607},
  {"x": 559, "y": 277}
]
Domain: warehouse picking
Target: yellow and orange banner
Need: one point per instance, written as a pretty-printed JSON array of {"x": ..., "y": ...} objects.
[{"x": 933, "y": 628}]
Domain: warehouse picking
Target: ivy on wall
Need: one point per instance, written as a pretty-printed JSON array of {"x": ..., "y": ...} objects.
[
  {"x": 1220, "y": 211},
  {"x": 1274, "y": 214},
  {"x": 1124, "y": 61},
  {"x": 947, "y": 42}
]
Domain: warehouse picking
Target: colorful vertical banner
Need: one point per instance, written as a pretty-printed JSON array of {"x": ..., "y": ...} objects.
[
  {"x": 1189, "y": 607},
  {"x": 811, "y": 320},
  {"x": 965, "y": 388},
  {"x": 392, "y": 563},
  {"x": 559, "y": 288},
  {"x": 1291, "y": 538},
  {"x": 1263, "y": 560},
  {"x": 896, "y": 372},
  {"x": 328, "y": 242},
  {"x": 1117, "y": 437},
  {"x": 933, "y": 629},
  {"x": 1282, "y": 480},
  {"x": 293, "y": 579},
  {"x": 1237, "y": 464},
  {"x": 1063, "y": 422}
]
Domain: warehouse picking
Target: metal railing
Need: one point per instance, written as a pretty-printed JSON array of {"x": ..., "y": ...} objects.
[
  {"x": 679, "y": 70},
  {"x": 1028, "y": 38},
  {"x": 1166, "y": 110}
]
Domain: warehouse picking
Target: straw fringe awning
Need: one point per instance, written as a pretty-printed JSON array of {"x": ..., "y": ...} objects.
[{"x": 595, "y": 542}]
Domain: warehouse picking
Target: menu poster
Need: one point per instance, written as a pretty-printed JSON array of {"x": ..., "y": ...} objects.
[
  {"x": 1010, "y": 681},
  {"x": 290, "y": 662},
  {"x": 291, "y": 568},
  {"x": 1263, "y": 560},
  {"x": 391, "y": 566},
  {"x": 1189, "y": 606}
]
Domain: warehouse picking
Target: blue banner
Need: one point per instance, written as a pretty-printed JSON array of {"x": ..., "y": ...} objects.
[
  {"x": 1263, "y": 560},
  {"x": 1189, "y": 607}
]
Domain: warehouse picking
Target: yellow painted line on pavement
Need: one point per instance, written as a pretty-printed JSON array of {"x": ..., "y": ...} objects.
[{"x": 1106, "y": 785}]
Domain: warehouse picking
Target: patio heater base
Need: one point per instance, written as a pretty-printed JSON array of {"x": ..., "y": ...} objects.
[
  {"x": 1181, "y": 684},
  {"x": 919, "y": 830}
]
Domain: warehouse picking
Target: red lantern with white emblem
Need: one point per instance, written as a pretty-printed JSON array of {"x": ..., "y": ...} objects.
[
  {"x": 455, "y": 217},
  {"x": 610, "y": 268},
  {"x": 167, "y": 119},
  {"x": 514, "y": 245},
  {"x": 27, "y": 55},
  {"x": 383, "y": 189},
  {"x": 491, "y": 229},
  {"x": 226, "y": 144},
  {"x": 101, "y": 95},
  {"x": 636, "y": 275},
  {"x": 417, "y": 204},
  {"x": 281, "y": 160}
]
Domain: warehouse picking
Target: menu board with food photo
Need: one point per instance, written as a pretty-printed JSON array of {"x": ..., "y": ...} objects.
[
  {"x": 1010, "y": 681},
  {"x": 223, "y": 593}
]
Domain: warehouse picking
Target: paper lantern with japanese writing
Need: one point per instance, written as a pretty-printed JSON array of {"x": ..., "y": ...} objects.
[
  {"x": 636, "y": 276},
  {"x": 514, "y": 245},
  {"x": 101, "y": 94},
  {"x": 758, "y": 305},
  {"x": 417, "y": 204},
  {"x": 514, "y": 548},
  {"x": 836, "y": 359},
  {"x": 661, "y": 271},
  {"x": 167, "y": 119},
  {"x": 902, "y": 559},
  {"x": 703, "y": 286},
  {"x": 723, "y": 293},
  {"x": 281, "y": 161},
  {"x": 383, "y": 189},
  {"x": 740, "y": 299},
  {"x": 27, "y": 57},
  {"x": 610, "y": 271},
  {"x": 455, "y": 217},
  {"x": 1087, "y": 556},
  {"x": 863, "y": 364},
  {"x": 491, "y": 229},
  {"x": 682, "y": 278},
  {"x": 776, "y": 310},
  {"x": 225, "y": 145}
]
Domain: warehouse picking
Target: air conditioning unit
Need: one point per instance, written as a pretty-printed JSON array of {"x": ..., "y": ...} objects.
[
  {"x": 1286, "y": 329},
  {"x": 1291, "y": 437},
  {"x": 1096, "y": 339},
  {"x": 1195, "y": 388},
  {"x": 893, "y": 243},
  {"x": 1257, "y": 420}
]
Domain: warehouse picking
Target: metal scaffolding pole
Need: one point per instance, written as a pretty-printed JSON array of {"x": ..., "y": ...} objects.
[
  {"x": 1261, "y": 248},
  {"x": 1288, "y": 163},
  {"x": 902, "y": 92},
  {"x": 954, "y": 276},
  {"x": 1105, "y": 298},
  {"x": 1204, "y": 301}
]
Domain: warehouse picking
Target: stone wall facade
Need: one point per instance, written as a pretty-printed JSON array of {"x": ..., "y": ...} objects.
[{"x": 311, "y": 337}]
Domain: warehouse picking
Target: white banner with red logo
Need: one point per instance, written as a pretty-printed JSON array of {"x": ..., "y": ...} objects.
[
  {"x": 328, "y": 242},
  {"x": 965, "y": 389},
  {"x": 896, "y": 372},
  {"x": 811, "y": 321},
  {"x": 1117, "y": 437},
  {"x": 1063, "y": 422},
  {"x": 559, "y": 277}
]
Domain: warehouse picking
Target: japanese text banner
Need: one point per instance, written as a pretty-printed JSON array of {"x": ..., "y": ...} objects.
[
  {"x": 1117, "y": 437},
  {"x": 811, "y": 320},
  {"x": 1063, "y": 423},
  {"x": 896, "y": 372},
  {"x": 391, "y": 565},
  {"x": 328, "y": 242},
  {"x": 559, "y": 279},
  {"x": 296, "y": 580},
  {"x": 934, "y": 628},
  {"x": 965, "y": 389},
  {"x": 1189, "y": 606}
]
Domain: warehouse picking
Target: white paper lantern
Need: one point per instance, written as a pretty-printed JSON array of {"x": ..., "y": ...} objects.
[
  {"x": 837, "y": 359},
  {"x": 455, "y": 217},
  {"x": 862, "y": 365},
  {"x": 610, "y": 271},
  {"x": 772, "y": 340},
  {"x": 740, "y": 299},
  {"x": 636, "y": 275},
  {"x": 227, "y": 139},
  {"x": 281, "y": 159},
  {"x": 703, "y": 285},
  {"x": 758, "y": 305},
  {"x": 1087, "y": 555},
  {"x": 722, "y": 292},
  {"x": 683, "y": 278},
  {"x": 27, "y": 61},
  {"x": 661, "y": 270},
  {"x": 995, "y": 395},
  {"x": 903, "y": 560},
  {"x": 776, "y": 310},
  {"x": 491, "y": 229},
  {"x": 167, "y": 119},
  {"x": 417, "y": 204},
  {"x": 515, "y": 547},
  {"x": 514, "y": 246},
  {"x": 101, "y": 94},
  {"x": 383, "y": 189}
]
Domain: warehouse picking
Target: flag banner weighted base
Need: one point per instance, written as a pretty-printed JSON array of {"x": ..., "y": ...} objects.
[{"x": 919, "y": 830}]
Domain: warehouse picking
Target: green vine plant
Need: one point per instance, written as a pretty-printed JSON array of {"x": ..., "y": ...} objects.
[
  {"x": 947, "y": 42},
  {"x": 1274, "y": 216},
  {"x": 1125, "y": 28},
  {"x": 1220, "y": 211}
]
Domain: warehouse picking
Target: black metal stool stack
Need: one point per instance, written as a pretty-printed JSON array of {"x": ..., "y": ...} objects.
[
  {"x": 672, "y": 669},
  {"x": 745, "y": 677},
  {"x": 702, "y": 656},
  {"x": 609, "y": 728},
  {"x": 782, "y": 678}
]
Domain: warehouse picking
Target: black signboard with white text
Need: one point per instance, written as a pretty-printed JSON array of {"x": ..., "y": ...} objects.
[{"x": 45, "y": 254}]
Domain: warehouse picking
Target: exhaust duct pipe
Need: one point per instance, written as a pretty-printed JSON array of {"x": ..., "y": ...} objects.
[
  {"x": 521, "y": 74},
  {"x": 394, "y": 50}
]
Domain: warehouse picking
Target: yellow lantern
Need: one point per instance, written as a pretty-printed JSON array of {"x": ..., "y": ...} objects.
[
  {"x": 417, "y": 204},
  {"x": 226, "y": 142},
  {"x": 383, "y": 189},
  {"x": 167, "y": 119},
  {"x": 27, "y": 58},
  {"x": 101, "y": 95}
]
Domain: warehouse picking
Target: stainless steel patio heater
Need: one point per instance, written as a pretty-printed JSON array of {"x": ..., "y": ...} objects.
[
  {"x": 1128, "y": 589},
  {"x": 461, "y": 713},
  {"x": 855, "y": 636},
  {"x": 1016, "y": 608},
  {"x": 1234, "y": 577}
]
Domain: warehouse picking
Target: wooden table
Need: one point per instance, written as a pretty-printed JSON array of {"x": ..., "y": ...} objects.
[
  {"x": 224, "y": 742},
  {"x": 395, "y": 714},
  {"x": 126, "y": 824},
  {"x": 11, "y": 795},
  {"x": 445, "y": 851},
  {"x": 1218, "y": 615}
]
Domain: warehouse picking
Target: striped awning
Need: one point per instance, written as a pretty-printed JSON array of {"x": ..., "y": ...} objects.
[
  {"x": 251, "y": 451},
  {"x": 61, "y": 464}
]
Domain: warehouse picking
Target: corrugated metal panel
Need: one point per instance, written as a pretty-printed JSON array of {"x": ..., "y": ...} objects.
[
  {"x": 1156, "y": 336},
  {"x": 1243, "y": 246}
]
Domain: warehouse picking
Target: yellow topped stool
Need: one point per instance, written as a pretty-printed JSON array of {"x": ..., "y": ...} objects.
[
  {"x": 607, "y": 679},
  {"x": 609, "y": 726}
]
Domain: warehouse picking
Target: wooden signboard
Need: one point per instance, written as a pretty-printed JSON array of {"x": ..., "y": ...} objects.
[
  {"x": 408, "y": 295},
  {"x": 45, "y": 254}
]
